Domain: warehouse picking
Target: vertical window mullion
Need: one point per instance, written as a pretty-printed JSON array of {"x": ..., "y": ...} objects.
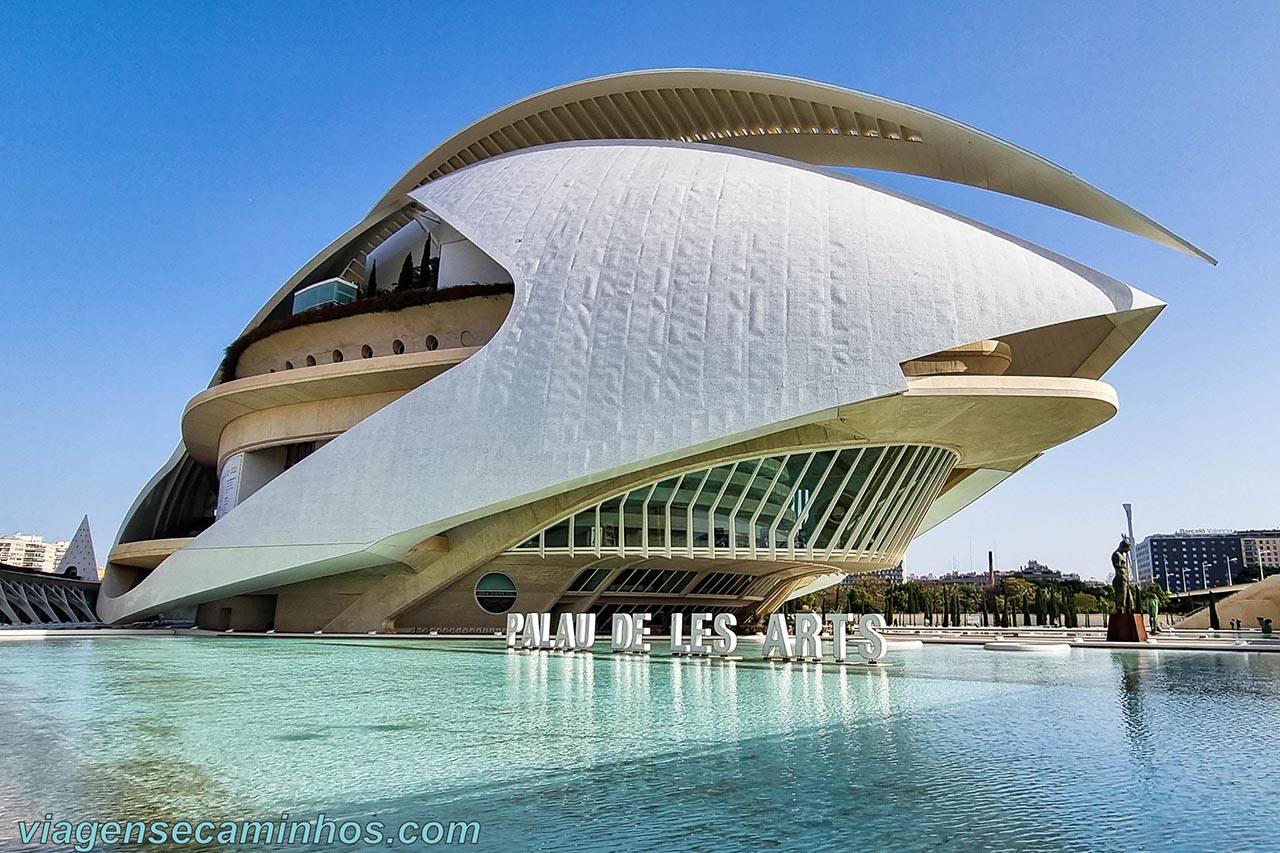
[
  {"x": 644, "y": 521},
  {"x": 801, "y": 516},
  {"x": 597, "y": 533},
  {"x": 667, "y": 511},
  {"x": 906, "y": 487},
  {"x": 890, "y": 477},
  {"x": 782, "y": 508},
  {"x": 711, "y": 511},
  {"x": 764, "y": 500},
  {"x": 693, "y": 502},
  {"x": 733, "y": 514}
]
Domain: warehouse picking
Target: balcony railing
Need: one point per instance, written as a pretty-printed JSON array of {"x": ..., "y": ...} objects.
[{"x": 335, "y": 291}]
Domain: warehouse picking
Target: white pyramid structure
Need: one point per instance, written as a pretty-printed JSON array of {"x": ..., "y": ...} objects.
[{"x": 80, "y": 560}]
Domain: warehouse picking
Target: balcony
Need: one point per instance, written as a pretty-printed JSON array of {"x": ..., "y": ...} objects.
[
  {"x": 270, "y": 410},
  {"x": 335, "y": 291}
]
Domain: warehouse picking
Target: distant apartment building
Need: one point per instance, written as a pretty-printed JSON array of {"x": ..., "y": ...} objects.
[
  {"x": 894, "y": 575},
  {"x": 1035, "y": 571},
  {"x": 1032, "y": 571},
  {"x": 1189, "y": 559},
  {"x": 31, "y": 552},
  {"x": 958, "y": 578},
  {"x": 1261, "y": 548}
]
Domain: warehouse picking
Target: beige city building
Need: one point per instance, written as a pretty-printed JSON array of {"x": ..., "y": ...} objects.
[
  {"x": 1261, "y": 548},
  {"x": 31, "y": 552},
  {"x": 631, "y": 345}
]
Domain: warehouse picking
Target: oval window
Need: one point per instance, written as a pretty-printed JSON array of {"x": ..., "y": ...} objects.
[
  {"x": 495, "y": 592},
  {"x": 288, "y": 365},
  {"x": 397, "y": 346},
  {"x": 366, "y": 351},
  {"x": 432, "y": 343},
  {"x": 337, "y": 356},
  {"x": 311, "y": 361},
  {"x": 468, "y": 339}
]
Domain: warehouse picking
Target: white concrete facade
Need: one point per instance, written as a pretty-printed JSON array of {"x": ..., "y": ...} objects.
[{"x": 671, "y": 298}]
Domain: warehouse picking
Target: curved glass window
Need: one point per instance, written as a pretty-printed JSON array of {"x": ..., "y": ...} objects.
[
  {"x": 495, "y": 592},
  {"x": 722, "y": 583},
  {"x": 588, "y": 579},
  {"x": 853, "y": 503}
]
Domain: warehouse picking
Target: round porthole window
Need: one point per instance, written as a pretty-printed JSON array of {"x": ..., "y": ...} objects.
[
  {"x": 432, "y": 343},
  {"x": 366, "y": 351},
  {"x": 468, "y": 339},
  {"x": 311, "y": 361},
  {"x": 337, "y": 356},
  {"x": 496, "y": 592},
  {"x": 397, "y": 346}
]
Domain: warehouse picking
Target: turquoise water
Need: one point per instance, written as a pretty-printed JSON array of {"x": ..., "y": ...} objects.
[{"x": 949, "y": 748}]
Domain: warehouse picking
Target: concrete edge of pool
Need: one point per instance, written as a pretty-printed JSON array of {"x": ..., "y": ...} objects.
[{"x": 899, "y": 639}]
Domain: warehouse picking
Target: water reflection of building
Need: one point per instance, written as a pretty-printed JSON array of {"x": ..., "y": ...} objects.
[
  {"x": 1134, "y": 688},
  {"x": 644, "y": 353}
]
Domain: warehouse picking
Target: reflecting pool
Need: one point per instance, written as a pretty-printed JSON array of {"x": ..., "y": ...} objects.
[{"x": 948, "y": 748}]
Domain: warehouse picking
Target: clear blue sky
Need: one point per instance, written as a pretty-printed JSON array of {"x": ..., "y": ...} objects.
[{"x": 164, "y": 167}]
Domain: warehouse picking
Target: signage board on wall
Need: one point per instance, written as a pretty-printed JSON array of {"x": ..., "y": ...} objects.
[{"x": 229, "y": 485}]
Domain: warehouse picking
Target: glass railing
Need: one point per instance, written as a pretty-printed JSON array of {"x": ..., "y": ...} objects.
[{"x": 335, "y": 291}]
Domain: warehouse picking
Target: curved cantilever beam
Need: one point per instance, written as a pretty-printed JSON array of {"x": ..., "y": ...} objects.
[{"x": 800, "y": 119}]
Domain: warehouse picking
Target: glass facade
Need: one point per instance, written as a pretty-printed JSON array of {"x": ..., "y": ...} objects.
[
  {"x": 1188, "y": 560},
  {"x": 855, "y": 503},
  {"x": 335, "y": 291}
]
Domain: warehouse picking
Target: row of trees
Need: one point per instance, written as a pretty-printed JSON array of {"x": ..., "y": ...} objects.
[
  {"x": 1038, "y": 602},
  {"x": 424, "y": 275}
]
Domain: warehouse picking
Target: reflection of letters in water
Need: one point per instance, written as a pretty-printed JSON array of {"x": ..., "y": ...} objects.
[{"x": 709, "y": 634}]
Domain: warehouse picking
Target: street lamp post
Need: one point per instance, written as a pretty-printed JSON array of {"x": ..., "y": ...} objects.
[
  {"x": 1204, "y": 577},
  {"x": 1230, "y": 560}
]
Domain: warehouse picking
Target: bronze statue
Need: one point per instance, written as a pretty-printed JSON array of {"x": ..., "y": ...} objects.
[
  {"x": 1152, "y": 605},
  {"x": 1120, "y": 584}
]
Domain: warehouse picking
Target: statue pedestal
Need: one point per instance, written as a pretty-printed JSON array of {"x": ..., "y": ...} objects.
[{"x": 1126, "y": 628}]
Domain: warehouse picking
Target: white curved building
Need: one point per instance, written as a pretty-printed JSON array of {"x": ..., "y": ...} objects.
[{"x": 656, "y": 357}]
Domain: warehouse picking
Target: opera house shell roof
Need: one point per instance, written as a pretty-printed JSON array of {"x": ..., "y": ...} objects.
[{"x": 647, "y": 352}]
